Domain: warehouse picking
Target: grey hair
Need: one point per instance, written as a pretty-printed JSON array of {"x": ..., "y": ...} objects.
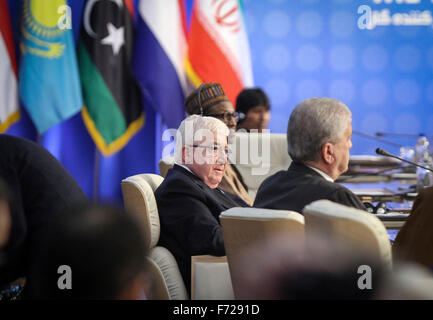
[
  {"x": 197, "y": 123},
  {"x": 314, "y": 122}
]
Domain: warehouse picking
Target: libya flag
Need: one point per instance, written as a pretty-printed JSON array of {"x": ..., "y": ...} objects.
[{"x": 113, "y": 110}]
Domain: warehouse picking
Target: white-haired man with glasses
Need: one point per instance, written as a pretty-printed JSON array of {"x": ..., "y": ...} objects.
[
  {"x": 210, "y": 100},
  {"x": 189, "y": 200}
]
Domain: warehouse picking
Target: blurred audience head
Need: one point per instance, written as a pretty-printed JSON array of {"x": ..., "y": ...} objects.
[
  {"x": 92, "y": 252},
  {"x": 201, "y": 146},
  {"x": 210, "y": 100},
  {"x": 319, "y": 132},
  {"x": 254, "y": 104},
  {"x": 408, "y": 281},
  {"x": 290, "y": 268},
  {"x": 324, "y": 268},
  {"x": 5, "y": 216}
]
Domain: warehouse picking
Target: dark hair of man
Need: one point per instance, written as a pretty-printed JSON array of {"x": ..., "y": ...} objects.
[
  {"x": 250, "y": 98},
  {"x": 4, "y": 191},
  {"x": 316, "y": 283},
  {"x": 102, "y": 245}
]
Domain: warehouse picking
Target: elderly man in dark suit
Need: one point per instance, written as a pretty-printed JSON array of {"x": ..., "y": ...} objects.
[
  {"x": 213, "y": 102},
  {"x": 189, "y": 200},
  {"x": 319, "y": 138}
]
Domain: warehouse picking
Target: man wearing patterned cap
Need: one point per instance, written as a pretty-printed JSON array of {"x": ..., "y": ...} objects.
[{"x": 210, "y": 100}]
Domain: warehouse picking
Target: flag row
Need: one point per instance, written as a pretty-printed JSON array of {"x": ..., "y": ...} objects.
[{"x": 126, "y": 57}]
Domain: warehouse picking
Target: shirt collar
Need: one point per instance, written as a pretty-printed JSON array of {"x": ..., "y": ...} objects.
[
  {"x": 323, "y": 174},
  {"x": 185, "y": 167}
]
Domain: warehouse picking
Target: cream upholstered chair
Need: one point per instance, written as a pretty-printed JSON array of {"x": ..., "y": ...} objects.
[
  {"x": 210, "y": 278},
  {"x": 139, "y": 199},
  {"x": 257, "y": 156},
  {"x": 165, "y": 164},
  {"x": 353, "y": 227},
  {"x": 244, "y": 227}
]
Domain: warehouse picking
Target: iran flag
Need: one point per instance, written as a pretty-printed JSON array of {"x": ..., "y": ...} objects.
[{"x": 218, "y": 46}]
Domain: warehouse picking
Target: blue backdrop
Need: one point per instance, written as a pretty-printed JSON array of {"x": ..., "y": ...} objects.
[
  {"x": 307, "y": 48},
  {"x": 300, "y": 49}
]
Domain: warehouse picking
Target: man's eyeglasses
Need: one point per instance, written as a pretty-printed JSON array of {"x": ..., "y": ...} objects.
[
  {"x": 215, "y": 148},
  {"x": 228, "y": 116}
]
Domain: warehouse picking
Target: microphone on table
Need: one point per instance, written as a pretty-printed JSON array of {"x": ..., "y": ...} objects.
[{"x": 385, "y": 153}]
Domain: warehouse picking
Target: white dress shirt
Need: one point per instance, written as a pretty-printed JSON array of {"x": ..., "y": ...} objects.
[{"x": 324, "y": 175}]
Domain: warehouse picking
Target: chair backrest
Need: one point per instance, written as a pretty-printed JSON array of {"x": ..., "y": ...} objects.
[
  {"x": 139, "y": 199},
  {"x": 165, "y": 164},
  {"x": 210, "y": 278},
  {"x": 351, "y": 226},
  {"x": 257, "y": 156},
  {"x": 244, "y": 227}
]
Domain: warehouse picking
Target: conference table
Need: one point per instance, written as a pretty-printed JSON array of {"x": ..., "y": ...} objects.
[{"x": 377, "y": 179}]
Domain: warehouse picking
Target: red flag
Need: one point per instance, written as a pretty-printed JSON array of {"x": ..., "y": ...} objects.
[
  {"x": 9, "y": 112},
  {"x": 218, "y": 46}
]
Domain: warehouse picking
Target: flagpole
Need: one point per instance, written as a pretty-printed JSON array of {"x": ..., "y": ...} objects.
[
  {"x": 96, "y": 176},
  {"x": 158, "y": 141}
]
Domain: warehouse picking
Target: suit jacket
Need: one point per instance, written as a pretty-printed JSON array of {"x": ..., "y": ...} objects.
[
  {"x": 40, "y": 190},
  {"x": 189, "y": 216},
  {"x": 233, "y": 183},
  {"x": 414, "y": 242},
  {"x": 298, "y": 186}
]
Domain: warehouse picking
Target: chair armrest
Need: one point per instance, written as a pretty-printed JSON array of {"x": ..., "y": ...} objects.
[{"x": 210, "y": 278}]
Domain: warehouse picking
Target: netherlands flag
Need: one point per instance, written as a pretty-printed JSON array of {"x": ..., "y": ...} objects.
[{"x": 160, "y": 52}]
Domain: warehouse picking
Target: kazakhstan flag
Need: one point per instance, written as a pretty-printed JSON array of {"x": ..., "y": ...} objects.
[{"x": 49, "y": 83}]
